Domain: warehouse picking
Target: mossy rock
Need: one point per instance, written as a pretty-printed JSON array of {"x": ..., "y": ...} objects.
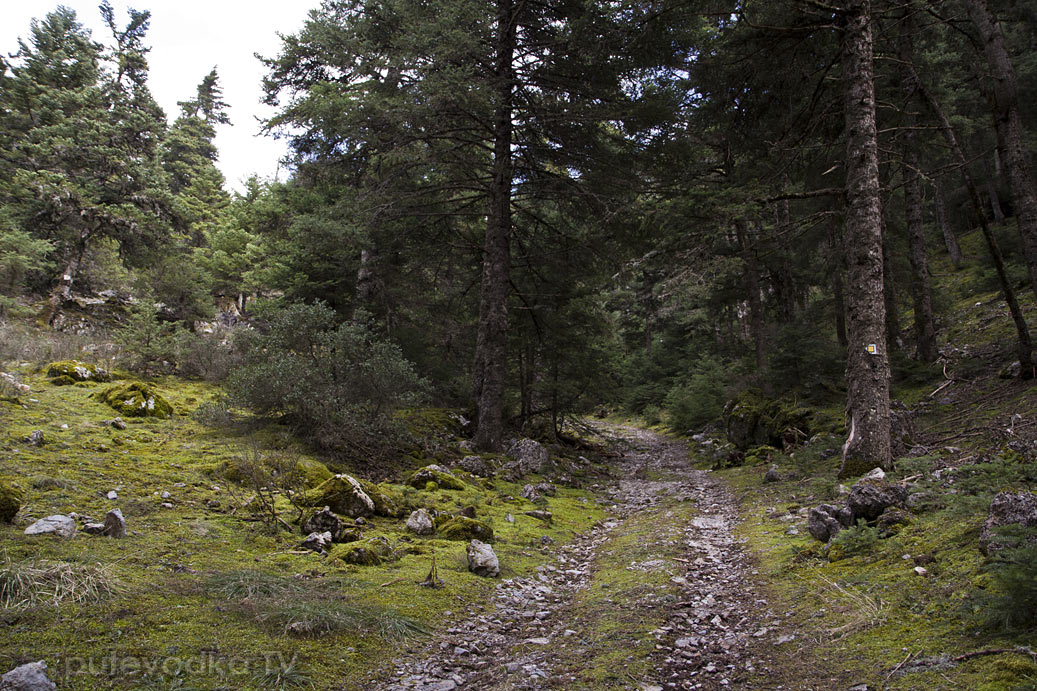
[
  {"x": 343, "y": 494},
  {"x": 855, "y": 467},
  {"x": 751, "y": 419},
  {"x": 135, "y": 399},
  {"x": 64, "y": 370},
  {"x": 433, "y": 473},
  {"x": 461, "y": 528},
  {"x": 370, "y": 552},
  {"x": 311, "y": 473},
  {"x": 63, "y": 380},
  {"x": 760, "y": 455},
  {"x": 387, "y": 500},
  {"x": 10, "y": 502}
]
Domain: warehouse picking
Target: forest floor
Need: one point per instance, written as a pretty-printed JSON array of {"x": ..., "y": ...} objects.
[{"x": 661, "y": 594}]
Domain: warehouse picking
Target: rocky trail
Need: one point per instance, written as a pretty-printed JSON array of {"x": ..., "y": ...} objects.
[{"x": 658, "y": 596}]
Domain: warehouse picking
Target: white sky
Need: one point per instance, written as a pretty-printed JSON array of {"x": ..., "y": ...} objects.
[{"x": 188, "y": 38}]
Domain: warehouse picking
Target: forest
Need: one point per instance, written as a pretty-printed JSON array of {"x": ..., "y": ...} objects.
[{"x": 727, "y": 236}]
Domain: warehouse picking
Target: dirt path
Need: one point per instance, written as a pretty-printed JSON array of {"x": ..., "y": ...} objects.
[{"x": 657, "y": 597}]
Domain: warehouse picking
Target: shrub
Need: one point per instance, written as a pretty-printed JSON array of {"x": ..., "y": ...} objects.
[
  {"x": 1011, "y": 600},
  {"x": 860, "y": 539},
  {"x": 148, "y": 343},
  {"x": 698, "y": 400},
  {"x": 337, "y": 384}
]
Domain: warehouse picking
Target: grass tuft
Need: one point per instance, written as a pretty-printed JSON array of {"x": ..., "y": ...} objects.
[{"x": 24, "y": 585}]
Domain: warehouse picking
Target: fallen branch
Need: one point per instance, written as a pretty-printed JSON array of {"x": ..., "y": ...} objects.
[{"x": 996, "y": 651}]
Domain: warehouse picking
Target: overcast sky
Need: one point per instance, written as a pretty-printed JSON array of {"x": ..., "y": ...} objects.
[{"x": 188, "y": 38}]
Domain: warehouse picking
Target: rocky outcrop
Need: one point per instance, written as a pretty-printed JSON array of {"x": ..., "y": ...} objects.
[
  {"x": 482, "y": 561},
  {"x": 72, "y": 371},
  {"x": 318, "y": 542},
  {"x": 1007, "y": 508}
]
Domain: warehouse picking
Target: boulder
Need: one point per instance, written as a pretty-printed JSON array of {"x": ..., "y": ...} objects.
[
  {"x": 135, "y": 399},
  {"x": 772, "y": 474},
  {"x": 370, "y": 552},
  {"x": 420, "y": 523},
  {"x": 461, "y": 528},
  {"x": 869, "y": 498},
  {"x": 35, "y": 438},
  {"x": 545, "y": 516},
  {"x": 752, "y": 420},
  {"x": 387, "y": 501},
  {"x": 1007, "y": 508},
  {"x": 10, "y": 502},
  {"x": 114, "y": 524},
  {"x": 443, "y": 478},
  {"x": 476, "y": 465},
  {"x": 891, "y": 521},
  {"x": 60, "y": 526},
  {"x": 29, "y": 677},
  {"x": 343, "y": 495},
  {"x": 527, "y": 456},
  {"x": 324, "y": 520},
  {"x": 481, "y": 560},
  {"x": 825, "y": 520},
  {"x": 536, "y": 493},
  {"x": 76, "y": 371},
  {"x": 93, "y": 528},
  {"x": 318, "y": 542}
]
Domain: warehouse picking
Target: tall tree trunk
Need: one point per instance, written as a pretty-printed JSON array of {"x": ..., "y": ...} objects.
[
  {"x": 491, "y": 339},
  {"x": 1009, "y": 126},
  {"x": 1024, "y": 346},
  {"x": 997, "y": 213},
  {"x": 921, "y": 294},
  {"x": 949, "y": 239},
  {"x": 752, "y": 286},
  {"x": 867, "y": 366},
  {"x": 889, "y": 296}
]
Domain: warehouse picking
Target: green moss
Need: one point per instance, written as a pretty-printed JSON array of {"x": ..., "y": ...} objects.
[
  {"x": 443, "y": 479},
  {"x": 76, "y": 371},
  {"x": 369, "y": 552},
  {"x": 388, "y": 500},
  {"x": 10, "y": 502},
  {"x": 135, "y": 399},
  {"x": 311, "y": 473},
  {"x": 63, "y": 380},
  {"x": 855, "y": 467},
  {"x": 462, "y": 528},
  {"x": 761, "y": 454}
]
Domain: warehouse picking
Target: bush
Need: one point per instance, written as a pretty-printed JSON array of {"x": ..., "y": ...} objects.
[
  {"x": 1011, "y": 600},
  {"x": 699, "y": 400},
  {"x": 337, "y": 384}
]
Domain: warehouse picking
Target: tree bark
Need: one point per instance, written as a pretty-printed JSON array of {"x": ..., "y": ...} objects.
[
  {"x": 921, "y": 293},
  {"x": 491, "y": 338},
  {"x": 949, "y": 239},
  {"x": 1009, "y": 126},
  {"x": 867, "y": 367}
]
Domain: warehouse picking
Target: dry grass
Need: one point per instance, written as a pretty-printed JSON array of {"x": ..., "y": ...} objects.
[
  {"x": 862, "y": 611},
  {"x": 28, "y": 584}
]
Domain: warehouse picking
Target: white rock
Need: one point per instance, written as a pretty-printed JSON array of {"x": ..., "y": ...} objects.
[
  {"x": 481, "y": 560},
  {"x": 420, "y": 523},
  {"x": 921, "y": 571},
  {"x": 113, "y": 495},
  {"x": 62, "y": 526},
  {"x": 875, "y": 474}
]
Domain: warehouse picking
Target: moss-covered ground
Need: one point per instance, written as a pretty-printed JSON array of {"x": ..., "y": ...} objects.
[{"x": 173, "y": 621}]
